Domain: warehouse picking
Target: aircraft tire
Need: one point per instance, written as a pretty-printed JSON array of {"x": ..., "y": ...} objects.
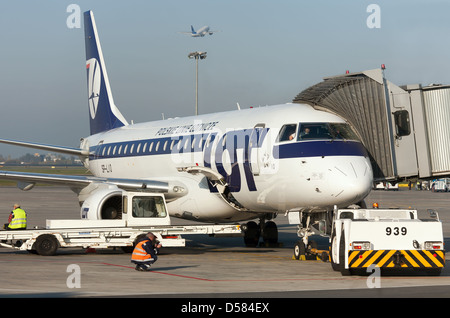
[
  {"x": 270, "y": 233},
  {"x": 251, "y": 234},
  {"x": 299, "y": 249}
]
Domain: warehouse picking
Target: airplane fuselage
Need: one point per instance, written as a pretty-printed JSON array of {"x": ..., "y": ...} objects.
[
  {"x": 263, "y": 173},
  {"x": 201, "y": 32}
]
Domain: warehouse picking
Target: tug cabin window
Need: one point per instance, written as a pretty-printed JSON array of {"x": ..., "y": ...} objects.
[{"x": 148, "y": 207}]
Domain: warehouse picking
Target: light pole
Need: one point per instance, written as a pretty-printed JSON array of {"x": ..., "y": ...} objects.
[{"x": 196, "y": 56}]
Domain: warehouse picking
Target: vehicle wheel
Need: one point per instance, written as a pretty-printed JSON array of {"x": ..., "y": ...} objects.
[
  {"x": 46, "y": 245},
  {"x": 344, "y": 271},
  {"x": 434, "y": 272},
  {"x": 333, "y": 253},
  {"x": 299, "y": 250},
  {"x": 270, "y": 233},
  {"x": 251, "y": 234}
]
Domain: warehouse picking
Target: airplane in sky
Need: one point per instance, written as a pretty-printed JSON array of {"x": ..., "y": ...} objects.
[
  {"x": 200, "y": 32},
  {"x": 227, "y": 167}
]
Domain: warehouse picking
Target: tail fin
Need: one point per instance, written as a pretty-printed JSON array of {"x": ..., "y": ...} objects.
[
  {"x": 193, "y": 30},
  {"x": 104, "y": 115}
]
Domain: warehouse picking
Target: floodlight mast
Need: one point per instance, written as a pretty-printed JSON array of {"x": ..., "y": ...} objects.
[{"x": 196, "y": 55}]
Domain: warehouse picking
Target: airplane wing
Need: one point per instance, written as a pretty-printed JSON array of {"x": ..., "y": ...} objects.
[
  {"x": 26, "y": 181},
  {"x": 82, "y": 181},
  {"x": 59, "y": 149}
]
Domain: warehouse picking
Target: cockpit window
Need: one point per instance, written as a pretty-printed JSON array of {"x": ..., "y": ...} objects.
[
  {"x": 287, "y": 132},
  {"x": 343, "y": 131},
  {"x": 325, "y": 131}
]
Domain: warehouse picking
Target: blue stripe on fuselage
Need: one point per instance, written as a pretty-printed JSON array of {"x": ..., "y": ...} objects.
[
  {"x": 319, "y": 148},
  {"x": 161, "y": 146}
]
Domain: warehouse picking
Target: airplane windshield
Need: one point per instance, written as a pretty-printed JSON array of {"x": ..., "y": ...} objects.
[
  {"x": 287, "y": 133},
  {"x": 325, "y": 131}
]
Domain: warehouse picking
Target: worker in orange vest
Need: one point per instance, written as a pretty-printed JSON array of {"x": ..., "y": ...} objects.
[{"x": 145, "y": 252}]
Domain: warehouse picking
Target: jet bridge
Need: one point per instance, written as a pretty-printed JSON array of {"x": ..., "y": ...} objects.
[{"x": 405, "y": 129}]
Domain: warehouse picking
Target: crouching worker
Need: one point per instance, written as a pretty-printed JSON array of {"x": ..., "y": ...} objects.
[{"x": 145, "y": 252}]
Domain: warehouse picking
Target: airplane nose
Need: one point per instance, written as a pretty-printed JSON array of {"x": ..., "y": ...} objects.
[{"x": 353, "y": 179}]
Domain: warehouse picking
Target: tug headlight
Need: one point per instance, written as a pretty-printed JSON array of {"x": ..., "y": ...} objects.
[
  {"x": 434, "y": 246},
  {"x": 361, "y": 246}
]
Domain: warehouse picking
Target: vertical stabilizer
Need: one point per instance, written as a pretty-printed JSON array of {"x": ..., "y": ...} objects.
[{"x": 103, "y": 113}]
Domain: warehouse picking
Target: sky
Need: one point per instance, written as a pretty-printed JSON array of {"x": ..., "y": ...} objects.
[{"x": 265, "y": 53}]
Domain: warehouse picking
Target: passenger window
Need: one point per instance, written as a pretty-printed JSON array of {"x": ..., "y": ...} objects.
[{"x": 287, "y": 133}]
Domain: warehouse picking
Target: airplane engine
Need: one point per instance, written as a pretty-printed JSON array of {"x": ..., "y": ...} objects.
[{"x": 103, "y": 204}]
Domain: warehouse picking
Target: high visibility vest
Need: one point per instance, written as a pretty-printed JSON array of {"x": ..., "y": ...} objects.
[
  {"x": 139, "y": 254},
  {"x": 19, "y": 220}
]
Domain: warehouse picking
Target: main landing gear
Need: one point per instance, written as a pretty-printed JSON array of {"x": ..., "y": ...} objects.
[{"x": 253, "y": 232}]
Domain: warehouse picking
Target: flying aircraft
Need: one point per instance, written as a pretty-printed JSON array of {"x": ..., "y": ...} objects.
[
  {"x": 200, "y": 32},
  {"x": 234, "y": 166}
]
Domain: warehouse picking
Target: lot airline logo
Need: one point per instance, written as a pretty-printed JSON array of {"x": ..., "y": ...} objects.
[{"x": 94, "y": 80}]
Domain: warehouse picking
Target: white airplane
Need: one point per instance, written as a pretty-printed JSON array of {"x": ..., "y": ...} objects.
[
  {"x": 230, "y": 166},
  {"x": 200, "y": 32}
]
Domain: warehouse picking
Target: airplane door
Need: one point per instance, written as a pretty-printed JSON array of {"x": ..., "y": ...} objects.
[
  {"x": 98, "y": 150},
  {"x": 254, "y": 151}
]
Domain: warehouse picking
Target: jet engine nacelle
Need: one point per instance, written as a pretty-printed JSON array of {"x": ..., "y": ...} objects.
[{"x": 103, "y": 204}]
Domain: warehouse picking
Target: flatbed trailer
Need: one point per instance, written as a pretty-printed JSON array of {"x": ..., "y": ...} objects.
[
  {"x": 388, "y": 239},
  {"x": 142, "y": 213},
  {"x": 47, "y": 241}
]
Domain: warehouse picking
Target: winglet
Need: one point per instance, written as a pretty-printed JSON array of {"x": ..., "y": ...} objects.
[{"x": 104, "y": 115}]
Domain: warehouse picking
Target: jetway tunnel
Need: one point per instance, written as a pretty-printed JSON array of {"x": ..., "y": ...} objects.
[{"x": 405, "y": 129}]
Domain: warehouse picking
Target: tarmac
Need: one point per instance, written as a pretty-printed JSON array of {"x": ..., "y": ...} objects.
[{"x": 208, "y": 268}]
